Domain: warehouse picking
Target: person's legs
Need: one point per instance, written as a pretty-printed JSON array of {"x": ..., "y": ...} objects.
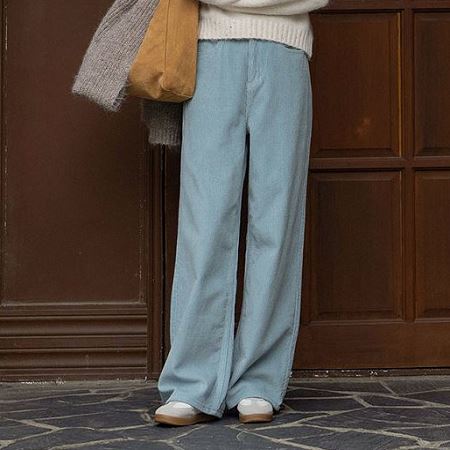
[
  {"x": 279, "y": 111},
  {"x": 213, "y": 163}
]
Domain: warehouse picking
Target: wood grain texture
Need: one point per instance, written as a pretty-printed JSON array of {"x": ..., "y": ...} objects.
[
  {"x": 376, "y": 290},
  {"x": 81, "y": 230}
]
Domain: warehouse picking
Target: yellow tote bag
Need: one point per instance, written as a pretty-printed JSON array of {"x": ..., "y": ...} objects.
[{"x": 165, "y": 66}]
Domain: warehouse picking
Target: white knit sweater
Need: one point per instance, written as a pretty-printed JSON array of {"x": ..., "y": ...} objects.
[{"x": 285, "y": 21}]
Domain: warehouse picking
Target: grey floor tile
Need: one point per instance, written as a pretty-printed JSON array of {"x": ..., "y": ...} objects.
[
  {"x": 362, "y": 414},
  {"x": 385, "y": 400},
  {"x": 343, "y": 385},
  {"x": 431, "y": 433},
  {"x": 307, "y": 392},
  {"x": 437, "y": 397},
  {"x": 408, "y": 385},
  {"x": 355, "y": 440},
  {"x": 227, "y": 438},
  {"x": 323, "y": 404}
]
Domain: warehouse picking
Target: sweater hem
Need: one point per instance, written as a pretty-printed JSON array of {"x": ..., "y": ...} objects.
[{"x": 297, "y": 36}]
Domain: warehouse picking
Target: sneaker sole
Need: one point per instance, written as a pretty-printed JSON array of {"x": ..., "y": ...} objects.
[
  {"x": 173, "y": 420},
  {"x": 249, "y": 418}
]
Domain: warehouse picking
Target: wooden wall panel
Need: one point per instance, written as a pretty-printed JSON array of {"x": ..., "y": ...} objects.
[
  {"x": 432, "y": 75},
  {"x": 356, "y": 104},
  {"x": 77, "y": 208},
  {"x": 356, "y": 246},
  {"x": 71, "y": 204},
  {"x": 375, "y": 280},
  {"x": 433, "y": 244}
]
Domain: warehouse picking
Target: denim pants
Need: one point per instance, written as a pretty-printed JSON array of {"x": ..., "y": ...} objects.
[{"x": 261, "y": 88}]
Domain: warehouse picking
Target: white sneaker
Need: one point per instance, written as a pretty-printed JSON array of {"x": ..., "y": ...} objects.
[
  {"x": 255, "y": 409},
  {"x": 180, "y": 413}
]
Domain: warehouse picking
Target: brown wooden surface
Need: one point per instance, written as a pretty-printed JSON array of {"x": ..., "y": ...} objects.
[
  {"x": 79, "y": 210},
  {"x": 89, "y": 212},
  {"x": 376, "y": 286}
]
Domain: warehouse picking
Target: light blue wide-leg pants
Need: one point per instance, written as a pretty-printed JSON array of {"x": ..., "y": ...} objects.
[{"x": 262, "y": 88}]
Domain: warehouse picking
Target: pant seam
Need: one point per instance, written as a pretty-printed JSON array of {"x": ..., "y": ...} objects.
[
  {"x": 296, "y": 315},
  {"x": 294, "y": 328},
  {"x": 175, "y": 300},
  {"x": 226, "y": 344},
  {"x": 296, "y": 323},
  {"x": 246, "y": 85},
  {"x": 178, "y": 252},
  {"x": 223, "y": 354},
  {"x": 244, "y": 304}
]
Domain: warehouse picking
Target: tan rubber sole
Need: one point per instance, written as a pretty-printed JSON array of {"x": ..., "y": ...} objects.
[
  {"x": 249, "y": 418},
  {"x": 172, "y": 420}
]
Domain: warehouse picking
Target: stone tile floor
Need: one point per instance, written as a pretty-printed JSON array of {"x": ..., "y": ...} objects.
[{"x": 319, "y": 413}]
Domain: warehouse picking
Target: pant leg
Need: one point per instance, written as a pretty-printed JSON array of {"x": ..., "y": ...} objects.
[
  {"x": 213, "y": 163},
  {"x": 279, "y": 120}
]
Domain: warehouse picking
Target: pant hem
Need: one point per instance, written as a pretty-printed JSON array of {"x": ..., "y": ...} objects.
[
  {"x": 197, "y": 404},
  {"x": 235, "y": 399}
]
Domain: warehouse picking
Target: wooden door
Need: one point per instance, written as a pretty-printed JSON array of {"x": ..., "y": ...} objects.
[
  {"x": 376, "y": 288},
  {"x": 80, "y": 253}
]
